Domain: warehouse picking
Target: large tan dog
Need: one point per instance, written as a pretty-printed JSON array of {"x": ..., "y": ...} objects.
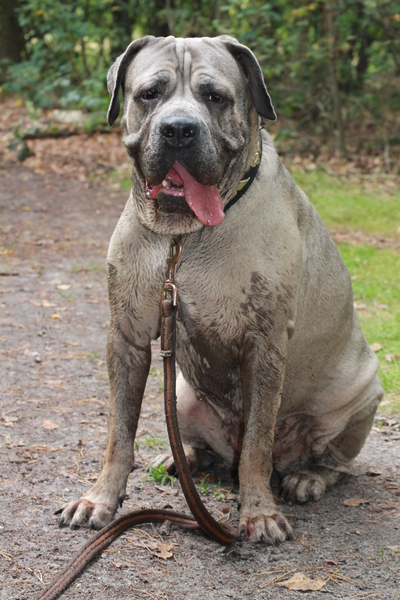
[{"x": 275, "y": 368}]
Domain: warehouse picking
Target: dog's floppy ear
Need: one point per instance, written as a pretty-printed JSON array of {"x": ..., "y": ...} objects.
[
  {"x": 116, "y": 74},
  {"x": 252, "y": 70}
]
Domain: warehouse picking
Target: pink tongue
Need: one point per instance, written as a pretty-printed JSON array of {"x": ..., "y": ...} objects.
[{"x": 204, "y": 200}]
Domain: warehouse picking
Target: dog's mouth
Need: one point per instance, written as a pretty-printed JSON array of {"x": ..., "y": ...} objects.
[{"x": 181, "y": 193}]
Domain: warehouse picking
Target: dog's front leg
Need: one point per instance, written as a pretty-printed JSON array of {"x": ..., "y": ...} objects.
[
  {"x": 262, "y": 373},
  {"x": 128, "y": 368}
]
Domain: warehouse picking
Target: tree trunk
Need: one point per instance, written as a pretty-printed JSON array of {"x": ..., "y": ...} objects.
[
  {"x": 334, "y": 85},
  {"x": 12, "y": 41}
]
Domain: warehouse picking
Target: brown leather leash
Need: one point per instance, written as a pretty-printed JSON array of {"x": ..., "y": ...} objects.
[{"x": 222, "y": 533}]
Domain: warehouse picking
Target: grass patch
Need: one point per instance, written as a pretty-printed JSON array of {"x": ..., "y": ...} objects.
[
  {"x": 120, "y": 179},
  {"x": 160, "y": 475},
  {"x": 153, "y": 441},
  {"x": 375, "y": 275},
  {"x": 343, "y": 204},
  {"x": 206, "y": 488}
]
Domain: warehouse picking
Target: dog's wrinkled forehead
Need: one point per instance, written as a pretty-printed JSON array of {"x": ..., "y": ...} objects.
[
  {"x": 183, "y": 60},
  {"x": 151, "y": 60}
]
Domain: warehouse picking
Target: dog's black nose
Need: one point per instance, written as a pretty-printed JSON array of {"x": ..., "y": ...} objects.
[{"x": 179, "y": 133}]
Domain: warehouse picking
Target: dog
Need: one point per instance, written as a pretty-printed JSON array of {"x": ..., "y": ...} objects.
[{"x": 275, "y": 370}]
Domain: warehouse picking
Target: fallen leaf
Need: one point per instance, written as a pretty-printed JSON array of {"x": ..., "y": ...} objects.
[
  {"x": 64, "y": 286},
  {"x": 50, "y": 425},
  {"x": 374, "y": 472},
  {"x": 392, "y": 357},
  {"x": 9, "y": 418},
  {"x": 53, "y": 382},
  {"x": 48, "y": 304},
  {"x": 164, "y": 551},
  {"x": 55, "y": 317},
  {"x": 359, "y": 306},
  {"x": 355, "y": 502},
  {"x": 10, "y": 443},
  {"x": 394, "y": 548},
  {"x": 158, "y": 549},
  {"x": 34, "y": 302},
  {"x": 302, "y": 583},
  {"x": 376, "y": 346}
]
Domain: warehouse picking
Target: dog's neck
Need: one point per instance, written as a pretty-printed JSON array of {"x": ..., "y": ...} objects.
[{"x": 248, "y": 178}]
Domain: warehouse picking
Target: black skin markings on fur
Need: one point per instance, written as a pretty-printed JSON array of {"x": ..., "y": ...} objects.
[
  {"x": 129, "y": 341},
  {"x": 111, "y": 271},
  {"x": 216, "y": 381},
  {"x": 185, "y": 317},
  {"x": 256, "y": 305}
]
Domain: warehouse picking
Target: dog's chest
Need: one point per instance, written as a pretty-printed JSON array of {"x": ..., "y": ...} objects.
[
  {"x": 208, "y": 362},
  {"x": 223, "y": 304},
  {"x": 210, "y": 334}
]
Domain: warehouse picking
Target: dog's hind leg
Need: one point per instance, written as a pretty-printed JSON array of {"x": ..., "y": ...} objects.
[{"x": 310, "y": 483}]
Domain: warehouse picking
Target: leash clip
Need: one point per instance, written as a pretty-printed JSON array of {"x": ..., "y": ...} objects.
[{"x": 169, "y": 286}]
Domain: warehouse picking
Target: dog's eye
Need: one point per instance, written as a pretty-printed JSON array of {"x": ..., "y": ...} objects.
[
  {"x": 215, "y": 98},
  {"x": 150, "y": 94}
]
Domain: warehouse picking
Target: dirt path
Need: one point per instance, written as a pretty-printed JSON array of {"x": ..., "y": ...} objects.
[{"x": 53, "y": 407}]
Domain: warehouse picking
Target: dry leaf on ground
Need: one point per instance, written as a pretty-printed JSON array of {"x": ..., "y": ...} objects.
[
  {"x": 355, "y": 502},
  {"x": 376, "y": 346},
  {"x": 50, "y": 425},
  {"x": 302, "y": 583},
  {"x": 159, "y": 549},
  {"x": 48, "y": 304},
  {"x": 392, "y": 357},
  {"x": 374, "y": 472}
]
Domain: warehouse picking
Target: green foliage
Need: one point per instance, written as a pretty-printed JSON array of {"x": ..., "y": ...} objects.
[
  {"x": 67, "y": 53},
  {"x": 70, "y": 45},
  {"x": 21, "y": 146},
  {"x": 208, "y": 489},
  {"x": 160, "y": 475},
  {"x": 204, "y": 488}
]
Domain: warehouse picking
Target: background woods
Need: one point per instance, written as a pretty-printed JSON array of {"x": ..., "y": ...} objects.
[{"x": 332, "y": 66}]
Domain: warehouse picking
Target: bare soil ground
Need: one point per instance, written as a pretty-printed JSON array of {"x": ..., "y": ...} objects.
[{"x": 55, "y": 227}]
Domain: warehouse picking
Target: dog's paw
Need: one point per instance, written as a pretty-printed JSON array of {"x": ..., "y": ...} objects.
[
  {"x": 85, "y": 513},
  {"x": 303, "y": 486},
  {"x": 266, "y": 528}
]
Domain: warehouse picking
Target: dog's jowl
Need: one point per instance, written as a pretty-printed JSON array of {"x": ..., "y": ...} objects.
[{"x": 275, "y": 370}]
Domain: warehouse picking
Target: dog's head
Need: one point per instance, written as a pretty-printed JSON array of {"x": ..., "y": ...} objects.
[{"x": 191, "y": 113}]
